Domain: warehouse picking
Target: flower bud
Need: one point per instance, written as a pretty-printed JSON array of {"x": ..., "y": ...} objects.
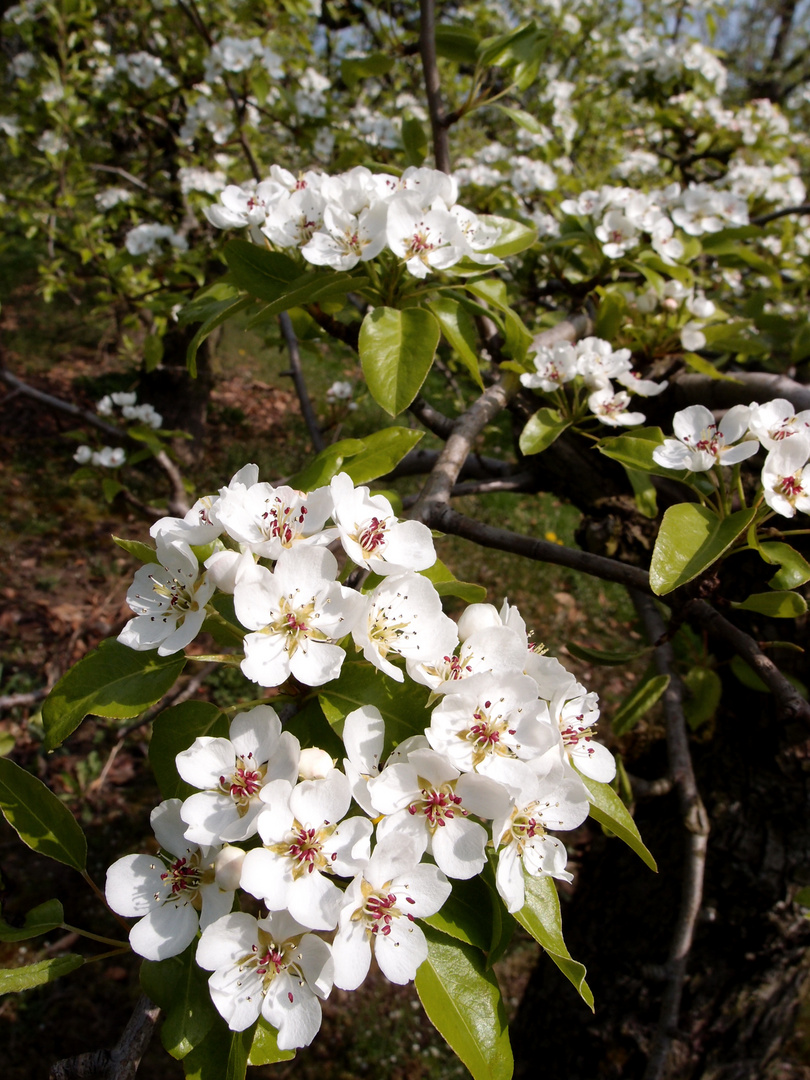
[
  {"x": 314, "y": 764},
  {"x": 477, "y": 617},
  {"x": 228, "y": 867}
]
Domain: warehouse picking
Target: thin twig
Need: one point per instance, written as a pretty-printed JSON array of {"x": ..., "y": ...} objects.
[
  {"x": 16, "y": 701},
  {"x": 696, "y": 823},
  {"x": 118, "y": 171},
  {"x": 763, "y": 219},
  {"x": 296, "y": 371},
  {"x": 433, "y": 92},
  {"x": 435, "y": 421},
  {"x": 120, "y": 1063}
]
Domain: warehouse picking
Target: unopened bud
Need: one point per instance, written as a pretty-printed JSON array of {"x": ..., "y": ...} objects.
[
  {"x": 314, "y": 764},
  {"x": 228, "y": 868}
]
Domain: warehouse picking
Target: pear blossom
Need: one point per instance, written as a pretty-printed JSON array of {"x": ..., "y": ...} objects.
[
  {"x": 231, "y": 774},
  {"x": 380, "y": 908},
  {"x": 611, "y": 408},
  {"x": 785, "y": 478},
  {"x": 201, "y": 525},
  {"x": 363, "y": 738},
  {"x": 617, "y": 234},
  {"x": 700, "y": 442},
  {"x": 554, "y": 367},
  {"x": 270, "y": 967},
  {"x": 298, "y": 613},
  {"x": 576, "y": 712},
  {"x": 305, "y": 841},
  {"x": 171, "y": 894},
  {"x": 598, "y": 362},
  {"x": 425, "y": 239},
  {"x": 776, "y": 421},
  {"x": 269, "y": 520},
  {"x": 346, "y": 239},
  {"x": 169, "y": 599},
  {"x": 371, "y": 534}
]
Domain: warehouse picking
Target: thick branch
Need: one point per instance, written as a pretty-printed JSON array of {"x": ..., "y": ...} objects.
[
  {"x": 430, "y": 66},
  {"x": 696, "y": 822},
  {"x": 120, "y": 1063},
  {"x": 763, "y": 219},
  {"x": 476, "y": 467},
  {"x": 310, "y": 419},
  {"x": 747, "y": 386}
]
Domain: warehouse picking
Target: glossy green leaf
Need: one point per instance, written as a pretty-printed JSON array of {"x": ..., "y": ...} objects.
[
  {"x": 540, "y": 915},
  {"x": 39, "y": 920},
  {"x": 414, "y": 140},
  {"x": 396, "y": 351},
  {"x": 222, "y": 1055},
  {"x": 264, "y": 1048},
  {"x": 776, "y": 605},
  {"x": 514, "y": 236},
  {"x": 794, "y": 569},
  {"x": 644, "y": 492},
  {"x": 142, "y": 552},
  {"x": 703, "y": 690},
  {"x": 638, "y": 703},
  {"x": 457, "y": 42},
  {"x": 609, "y": 810},
  {"x": 518, "y": 338},
  {"x": 180, "y": 987},
  {"x": 747, "y": 676},
  {"x": 522, "y": 119},
  {"x": 706, "y": 367},
  {"x": 264, "y": 274},
  {"x": 604, "y": 658},
  {"x": 365, "y": 67},
  {"x": 458, "y": 327},
  {"x": 402, "y": 705},
  {"x": 113, "y": 680},
  {"x": 463, "y": 1002},
  {"x": 467, "y": 914},
  {"x": 173, "y": 731},
  {"x": 514, "y": 47},
  {"x": 382, "y": 451},
  {"x": 610, "y": 315},
  {"x": 690, "y": 539},
  {"x": 635, "y": 452},
  {"x": 542, "y": 429},
  {"x": 225, "y": 310},
  {"x": 328, "y": 463},
  {"x": 309, "y": 288},
  {"x": 42, "y": 822},
  {"x": 448, "y": 585},
  {"x": 12, "y": 980}
]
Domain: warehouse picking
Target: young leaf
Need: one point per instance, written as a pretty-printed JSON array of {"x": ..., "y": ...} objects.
[
  {"x": 690, "y": 539},
  {"x": 540, "y": 915},
  {"x": 382, "y": 451},
  {"x": 326, "y": 464},
  {"x": 114, "y": 680},
  {"x": 264, "y": 1048},
  {"x": 540, "y": 432},
  {"x": 180, "y": 988},
  {"x": 794, "y": 568},
  {"x": 776, "y": 605},
  {"x": 396, "y": 351},
  {"x": 638, "y": 703},
  {"x": 264, "y": 274},
  {"x": 39, "y": 920},
  {"x": 12, "y": 980},
  {"x": 448, "y": 585},
  {"x": 174, "y": 730},
  {"x": 459, "y": 328},
  {"x": 142, "y": 552},
  {"x": 604, "y": 659},
  {"x": 463, "y": 1002},
  {"x": 514, "y": 236},
  {"x": 43, "y": 822},
  {"x": 609, "y": 810}
]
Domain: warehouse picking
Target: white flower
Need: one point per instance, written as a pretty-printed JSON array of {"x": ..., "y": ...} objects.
[
  {"x": 701, "y": 443},
  {"x": 169, "y": 600},
  {"x": 269, "y": 520},
  {"x": 617, "y": 233},
  {"x": 231, "y": 774},
  {"x": 425, "y": 239},
  {"x": 83, "y": 455},
  {"x": 269, "y": 966},
  {"x": 554, "y": 366},
  {"x": 786, "y": 487},
  {"x": 109, "y": 457},
  {"x": 379, "y": 910},
  {"x": 692, "y": 337},
  {"x": 611, "y": 408},
  {"x": 372, "y": 536},
  {"x": 172, "y": 894},
  {"x": 298, "y": 613},
  {"x": 346, "y": 239},
  {"x": 776, "y": 421}
]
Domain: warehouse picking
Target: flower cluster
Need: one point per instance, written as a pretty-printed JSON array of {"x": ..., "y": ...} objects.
[
  {"x": 336, "y": 855},
  {"x": 701, "y": 442},
  {"x": 339, "y": 221},
  {"x": 594, "y": 362}
]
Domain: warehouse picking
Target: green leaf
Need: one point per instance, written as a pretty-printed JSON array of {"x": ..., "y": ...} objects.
[
  {"x": 447, "y": 584},
  {"x": 605, "y": 659},
  {"x": 543, "y": 428},
  {"x": 706, "y": 367},
  {"x": 644, "y": 492},
  {"x": 610, "y": 315},
  {"x": 463, "y": 1002},
  {"x": 794, "y": 568},
  {"x": 152, "y": 352},
  {"x": 466, "y": 915},
  {"x": 457, "y": 42},
  {"x": 522, "y": 119},
  {"x": 264, "y": 1048},
  {"x": 704, "y": 688},
  {"x": 325, "y": 465},
  {"x": 173, "y": 731},
  {"x": 690, "y": 539},
  {"x": 225, "y": 310},
  {"x": 776, "y": 605},
  {"x": 493, "y": 291},
  {"x": 43, "y": 822},
  {"x": 515, "y": 47},
  {"x": 264, "y": 274},
  {"x": 114, "y": 680},
  {"x": 514, "y": 236},
  {"x": 396, "y": 351},
  {"x": 306, "y": 289},
  {"x": 747, "y": 676},
  {"x": 222, "y": 1055},
  {"x": 39, "y": 920},
  {"x": 609, "y": 810},
  {"x": 540, "y": 915},
  {"x": 110, "y": 488},
  {"x": 459, "y": 328},
  {"x": 402, "y": 705},
  {"x": 6, "y": 743},
  {"x": 414, "y": 140},
  {"x": 636, "y": 452},
  {"x": 142, "y": 552},
  {"x": 12, "y": 980},
  {"x": 382, "y": 451},
  {"x": 353, "y": 70},
  {"x": 180, "y": 987},
  {"x": 638, "y": 703}
]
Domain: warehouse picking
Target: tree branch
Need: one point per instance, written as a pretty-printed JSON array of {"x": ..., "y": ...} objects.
[
  {"x": 696, "y": 822},
  {"x": 746, "y": 386},
  {"x": 120, "y": 1063},
  {"x": 307, "y": 411},
  {"x": 430, "y": 66},
  {"x": 763, "y": 219}
]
